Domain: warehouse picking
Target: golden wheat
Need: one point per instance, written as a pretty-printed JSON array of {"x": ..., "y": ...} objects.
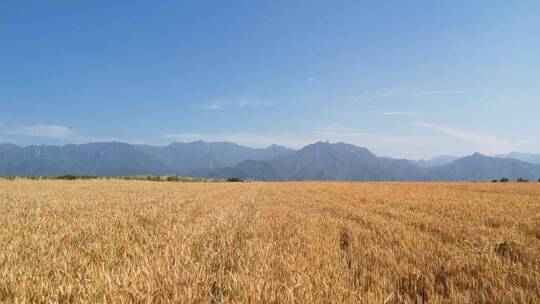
[{"x": 143, "y": 242}]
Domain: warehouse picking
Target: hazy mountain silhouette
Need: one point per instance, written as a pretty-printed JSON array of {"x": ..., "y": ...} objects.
[
  {"x": 438, "y": 161},
  {"x": 116, "y": 159},
  {"x": 325, "y": 161},
  {"x": 481, "y": 167},
  {"x": 103, "y": 159},
  {"x": 318, "y": 161},
  {"x": 526, "y": 157},
  {"x": 200, "y": 155},
  {"x": 7, "y": 147}
]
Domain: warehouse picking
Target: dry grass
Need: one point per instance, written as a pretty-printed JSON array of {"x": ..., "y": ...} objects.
[{"x": 142, "y": 242}]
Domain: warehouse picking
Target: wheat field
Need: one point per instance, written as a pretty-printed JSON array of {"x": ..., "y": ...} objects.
[{"x": 118, "y": 241}]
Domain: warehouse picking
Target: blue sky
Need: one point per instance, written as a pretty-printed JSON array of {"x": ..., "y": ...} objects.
[{"x": 402, "y": 78}]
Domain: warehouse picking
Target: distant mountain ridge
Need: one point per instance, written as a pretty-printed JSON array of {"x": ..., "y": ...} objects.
[
  {"x": 318, "y": 161},
  {"x": 340, "y": 161},
  {"x": 481, "y": 167},
  {"x": 117, "y": 159},
  {"x": 6, "y": 147},
  {"x": 200, "y": 155},
  {"x": 438, "y": 161},
  {"x": 526, "y": 157},
  {"x": 325, "y": 161},
  {"x": 103, "y": 159}
]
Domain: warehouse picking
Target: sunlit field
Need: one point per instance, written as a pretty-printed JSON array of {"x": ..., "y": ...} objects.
[{"x": 149, "y": 242}]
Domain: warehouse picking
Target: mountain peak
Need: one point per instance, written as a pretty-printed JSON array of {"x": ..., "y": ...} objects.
[
  {"x": 329, "y": 144},
  {"x": 478, "y": 154},
  {"x": 337, "y": 150},
  {"x": 321, "y": 143},
  {"x": 7, "y": 146},
  {"x": 275, "y": 147}
]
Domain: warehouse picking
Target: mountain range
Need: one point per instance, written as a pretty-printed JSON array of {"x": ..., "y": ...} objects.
[
  {"x": 443, "y": 160},
  {"x": 526, "y": 157},
  {"x": 438, "y": 161},
  {"x": 318, "y": 161}
]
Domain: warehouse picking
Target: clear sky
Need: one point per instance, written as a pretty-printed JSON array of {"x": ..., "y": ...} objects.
[{"x": 402, "y": 78}]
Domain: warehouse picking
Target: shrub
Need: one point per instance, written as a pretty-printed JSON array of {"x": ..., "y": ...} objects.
[
  {"x": 74, "y": 177},
  {"x": 495, "y": 181},
  {"x": 172, "y": 178},
  {"x": 522, "y": 180},
  {"x": 234, "y": 179},
  {"x": 504, "y": 180},
  {"x": 176, "y": 178}
]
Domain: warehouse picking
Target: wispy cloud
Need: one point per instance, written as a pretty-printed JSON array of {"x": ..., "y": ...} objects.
[
  {"x": 488, "y": 144},
  {"x": 383, "y": 94},
  {"x": 32, "y": 133},
  {"x": 397, "y": 113},
  {"x": 375, "y": 95},
  {"x": 252, "y": 103},
  {"x": 441, "y": 92},
  {"x": 411, "y": 93},
  {"x": 45, "y": 131},
  {"x": 241, "y": 103},
  {"x": 212, "y": 106}
]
